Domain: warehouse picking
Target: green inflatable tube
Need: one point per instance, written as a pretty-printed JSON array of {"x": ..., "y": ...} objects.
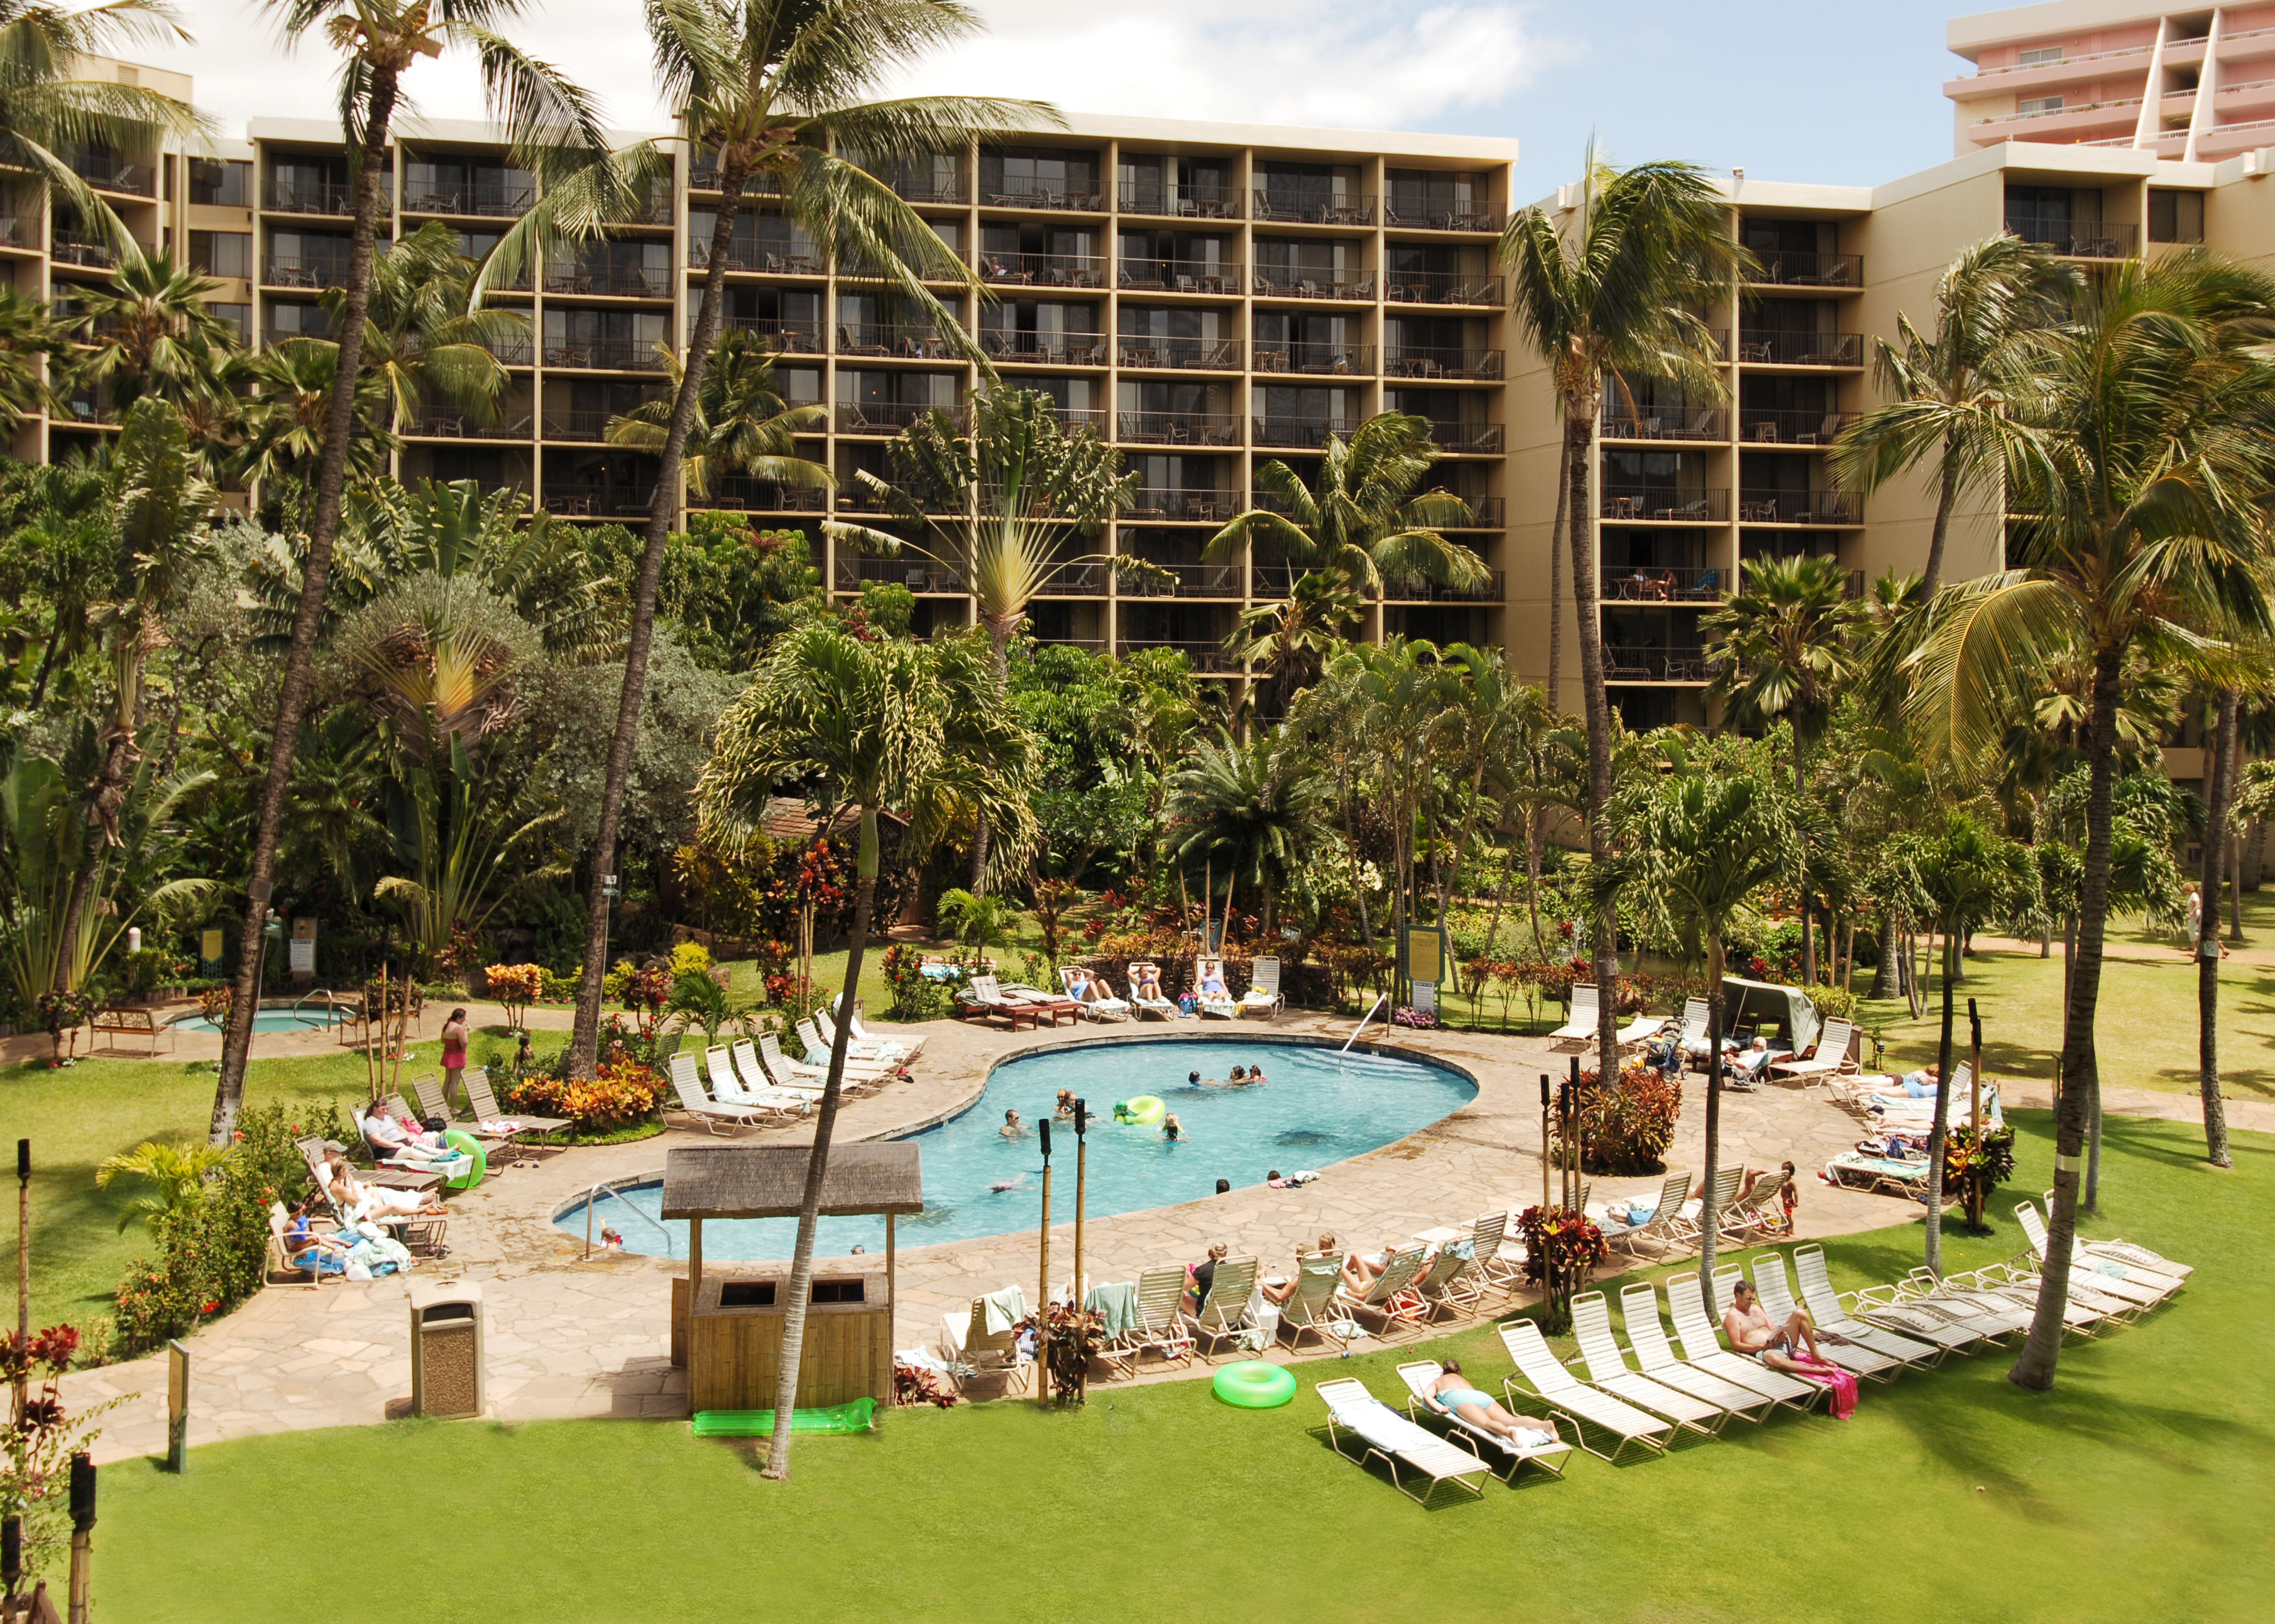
[
  {"x": 467, "y": 1144},
  {"x": 1255, "y": 1383},
  {"x": 1145, "y": 1110},
  {"x": 856, "y": 1416}
]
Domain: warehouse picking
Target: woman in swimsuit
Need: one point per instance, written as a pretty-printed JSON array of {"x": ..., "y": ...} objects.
[{"x": 1452, "y": 1395}]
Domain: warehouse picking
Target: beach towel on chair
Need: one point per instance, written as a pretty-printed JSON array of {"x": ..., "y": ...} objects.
[{"x": 1840, "y": 1386}]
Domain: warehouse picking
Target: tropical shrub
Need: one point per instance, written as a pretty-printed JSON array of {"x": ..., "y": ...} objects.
[
  {"x": 916, "y": 996},
  {"x": 35, "y": 1469},
  {"x": 1561, "y": 1250},
  {"x": 60, "y": 1013},
  {"x": 620, "y": 1094},
  {"x": 1971, "y": 1172},
  {"x": 146, "y": 968},
  {"x": 1625, "y": 1129},
  {"x": 516, "y": 986},
  {"x": 687, "y": 957},
  {"x": 1834, "y": 1003}
]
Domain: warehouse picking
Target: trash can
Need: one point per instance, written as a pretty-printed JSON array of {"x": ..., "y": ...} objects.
[{"x": 446, "y": 1350}]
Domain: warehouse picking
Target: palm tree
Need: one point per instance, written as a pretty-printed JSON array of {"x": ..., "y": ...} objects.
[
  {"x": 419, "y": 340},
  {"x": 1368, "y": 516},
  {"x": 742, "y": 423},
  {"x": 1786, "y": 647},
  {"x": 922, "y": 731},
  {"x": 154, "y": 334},
  {"x": 2139, "y": 488},
  {"x": 1613, "y": 295},
  {"x": 1953, "y": 393},
  {"x": 1696, "y": 851},
  {"x": 1249, "y": 810},
  {"x": 176, "y": 1172},
  {"x": 32, "y": 336},
  {"x": 541, "y": 115},
  {"x": 1294, "y": 637},
  {"x": 284, "y": 424},
  {"x": 1968, "y": 874},
  {"x": 773, "y": 91}
]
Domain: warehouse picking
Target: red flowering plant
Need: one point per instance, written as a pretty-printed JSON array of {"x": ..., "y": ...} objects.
[
  {"x": 516, "y": 986},
  {"x": 1561, "y": 1250},
  {"x": 620, "y": 1094},
  {"x": 1625, "y": 1129},
  {"x": 35, "y": 1478},
  {"x": 61, "y": 1013}
]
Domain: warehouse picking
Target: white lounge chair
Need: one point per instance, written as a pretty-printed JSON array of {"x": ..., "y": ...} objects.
[
  {"x": 1224, "y": 1315},
  {"x": 727, "y": 1088},
  {"x": 1421, "y": 1375},
  {"x": 1263, "y": 999},
  {"x": 817, "y": 1055},
  {"x": 867, "y": 1054},
  {"x": 2127, "y": 1281},
  {"x": 1313, "y": 1307},
  {"x": 1607, "y": 1370},
  {"x": 1398, "y": 1272},
  {"x": 1484, "y": 1269},
  {"x": 1831, "y": 1057},
  {"x": 783, "y": 1068},
  {"x": 1100, "y": 1005},
  {"x": 1702, "y": 1349},
  {"x": 1695, "y": 1020},
  {"x": 1641, "y": 1031},
  {"x": 1775, "y": 1295},
  {"x": 1647, "y": 1340},
  {"x": 973, "y": 1349},
  {"x": 714, "y": 1117},
  {"x": 1826, "y": 1313},
  {"x": 1996, "y": 1315},
  {"x": 759, "y": 1089},
  {"x": 1663, "y": 1228},
  {"x": 1161, "y": 1323},
  {"x": 2128, "y": 1251},
  {"x": 1580, "y": 1025},
  {"x": 1573, "y": 1400},
  {"x": 1830, "y": 1308},
  {"x": 909, "y": 1044},
  {"x": 1397, "y": 1440},
  {"x": 1217, "y": 1008}
]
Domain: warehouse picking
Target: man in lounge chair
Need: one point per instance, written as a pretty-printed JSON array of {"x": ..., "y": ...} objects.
[
  {"x": 1747, "y": 1324},
  {"x": 1452, "y": 1394}
]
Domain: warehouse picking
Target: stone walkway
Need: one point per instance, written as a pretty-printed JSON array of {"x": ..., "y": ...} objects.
[{"x": 570, "y": 1336}]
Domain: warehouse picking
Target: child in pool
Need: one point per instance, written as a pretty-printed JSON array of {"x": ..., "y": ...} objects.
[{"x": 1172, "y": 1130}]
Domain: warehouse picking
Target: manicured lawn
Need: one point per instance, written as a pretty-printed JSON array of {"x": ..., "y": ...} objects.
[{"x": 2136, "y": 1489}]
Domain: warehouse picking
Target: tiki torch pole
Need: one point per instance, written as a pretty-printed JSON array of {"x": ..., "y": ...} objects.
[
  {"x": 1043, "y": 1308},
  {"x": 1547, "y": 1094},
  {"x": 1081, "y": 1189}
]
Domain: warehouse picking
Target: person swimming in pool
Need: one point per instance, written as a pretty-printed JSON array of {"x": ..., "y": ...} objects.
[
  {"x": 1172, "y": 1130},
  {"x": 1451, "y": 1394},
  {"x": 1065, "y": 1107},
  {"x": 1013, "y": 1128},
  {"x": 1245, "y": 1079}
]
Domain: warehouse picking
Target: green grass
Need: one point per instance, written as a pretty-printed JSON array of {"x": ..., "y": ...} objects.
[{"x": 2137, "y": 1488}]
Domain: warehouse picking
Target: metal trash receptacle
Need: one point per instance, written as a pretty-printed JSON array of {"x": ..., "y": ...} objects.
[{"x": 447, "y": 1375}]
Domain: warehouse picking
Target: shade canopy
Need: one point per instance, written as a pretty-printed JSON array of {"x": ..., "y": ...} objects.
[
  {"x": 768, "y": 1181},
  {"x": 1763, "y": 1002}
]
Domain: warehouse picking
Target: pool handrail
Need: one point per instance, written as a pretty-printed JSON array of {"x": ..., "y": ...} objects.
[
  {"x": 603, "y": 1187},
  {"x": 331, "y": 1005},
  {"x": 1379, "y": 1000}
]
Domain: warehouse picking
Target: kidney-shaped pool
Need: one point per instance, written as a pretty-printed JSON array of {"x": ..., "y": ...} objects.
[{"x": 1315, "y": 1107}]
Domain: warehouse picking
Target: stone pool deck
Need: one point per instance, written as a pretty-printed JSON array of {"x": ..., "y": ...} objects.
[{"x": 570, "y": 1336}]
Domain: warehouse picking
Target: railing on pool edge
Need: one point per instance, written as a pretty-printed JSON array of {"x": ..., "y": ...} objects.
[
  {"x": 1363, "y": 1020},
  {"x": 601, "y": 1186}
]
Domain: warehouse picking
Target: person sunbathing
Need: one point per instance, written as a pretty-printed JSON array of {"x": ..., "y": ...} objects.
[
  {"x": 1199, "y": 1277},
  {"x": 1361, "y": 1268},
  {"x": 1149, "y": 984},
  {"x": 1212, "y": 984},
  {"x": 304, "y": 1249},
  {"x": 389, "y": 1137},
  {"x": 1920, "y": 1084},
  {"x": 1284, "y": 1289},
  {"x": 1451, "y": 1394},
  {"x": 1751, "y": 1332}
]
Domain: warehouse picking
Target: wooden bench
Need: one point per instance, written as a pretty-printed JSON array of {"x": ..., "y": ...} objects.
[{"x": 132, "y": 1023}]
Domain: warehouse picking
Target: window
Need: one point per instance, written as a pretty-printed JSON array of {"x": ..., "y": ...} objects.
[
  {"x": 2039, "y": 56},
  {"x": 227, "y": 182},
  {"x": 2175, "y": 216},
  {"x": 237, "y": 318},
  {"x": 222, "y": 253},
  {"x": 2038, "y": 104}
]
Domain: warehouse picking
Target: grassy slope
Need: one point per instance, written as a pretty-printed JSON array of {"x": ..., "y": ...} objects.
[{"x": 2136, "y": 1489}]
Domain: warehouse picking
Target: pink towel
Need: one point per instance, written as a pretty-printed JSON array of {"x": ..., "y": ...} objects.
[{"x": 1838, "y": 1382}]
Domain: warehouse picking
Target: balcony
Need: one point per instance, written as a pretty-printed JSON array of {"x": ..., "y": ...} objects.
[
  {"x": 1494, "y": 589},
  {"x": 1221, "y": 277},
  {"x": 512, "y": 349},
  {"x": 572, "y": 500},
  {"x": 1654, "y": 665},
  {"x": 605, "y": 354},
  {"x": 1044, "y": 349},
  {"x": 784, "y": 337},
  {"x": 1649, "y": 584},
  {"x": 1278, "y": 284},
  {"x": 1155, "y": 199},
  {"x": 1775, "y": 349},
  {"x": 271, "y": 338},
  {"x": 1439, "y": 362},
  {"x": 1200, "y": 504},
  {"x": 1205, "y": 429},
  {"x": 1485, "y": 514},
  {"x": 458, "y": 426},
  {"x": 774, "y": 260},
  {"x": 71, "y": 250},
  {"x": 1668, "y": 422},
  {"x": 1465, "y": 437},
  {"x": 1306, "y": 208},
  {"x": 1303, "y": 432},
  {"x": 2077, "y": 239},
  {"x": 1044, "y": 271},
  {"x": 931, "y": 189},
  {"x": 111, "y": 173},
  {"x": 1082, "y": 579},
  {"x": 891, "y": 341},
  {"x": 20, "y": 231},
  {"x": 304, "y": 270},
  {"x": 1765, "y": 427},
  {"x": 1012, "y": 191},
  {"x": 318, "y": 197},
  {"x": 573, "y": 425},
  {"x": 1207, "y": 659},
  {"x": 1201, "y": 580},
  {"x": 703, "y": 176},
  {"x": 916, "y": 573},
  {"x": 1418, "y": 215},
  {"x": 738, "y": 493},
  {"x": 488, "y": 200},
  {"x": 1325, "y": 359},
  {"x": 1784, "y": 269},
  {"x": 613, "y": 281},
  {"x": 881, "y": 417},
  {"x": 1665, "y": 504},
  {"x": 1783, "y": 507},
  {"x": 1181, "y": 354},
  {"x": 1442, "y": 288}
]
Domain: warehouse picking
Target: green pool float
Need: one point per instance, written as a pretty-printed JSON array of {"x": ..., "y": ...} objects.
[
  {"x": 859, "y": 1415},
  {"x": 467, "y": 1144},
  {"x": 1255, "y": 1383}
]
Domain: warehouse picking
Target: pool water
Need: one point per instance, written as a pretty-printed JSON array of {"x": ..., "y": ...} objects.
[
  {"x": 264, "y": 1021},
  {"x": 1315, "y": 1108}
]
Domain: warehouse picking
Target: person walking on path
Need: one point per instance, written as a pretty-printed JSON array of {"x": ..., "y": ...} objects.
[{"x": 454, "y": 1060}]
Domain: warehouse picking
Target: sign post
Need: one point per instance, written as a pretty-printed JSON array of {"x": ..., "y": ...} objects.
[{"x": 177, "y": 1407}]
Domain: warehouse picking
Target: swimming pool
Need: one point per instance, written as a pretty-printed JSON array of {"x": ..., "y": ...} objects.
[
  {"x": 279, "y": 1020},
  {"x": 1316, "y": 1107}
]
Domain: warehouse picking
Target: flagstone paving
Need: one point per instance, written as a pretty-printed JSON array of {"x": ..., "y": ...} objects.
[{"x": 573, "y": 1336}]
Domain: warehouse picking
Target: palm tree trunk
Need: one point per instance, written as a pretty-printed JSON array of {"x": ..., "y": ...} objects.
[
  {"x": 584, "y": 1043},
  {"x": 1942, "y": 1122},
  {"x": 109, "y": 790},
  {"x": 1709, "y": 1220},
  {"x": 2033, "y": 1368},
  {"x": 1535, "y": 835},
  {"x": 1808, "y": 914},
  {"x": 1945, "y": 497},
  {"x": 2223, "y": 786},
  {"x": 1579, "y": 447},
  {"x": 1885, "y": 982},
  {"x": 817, "y": 1164},
  {"x": 309, "y": 615},
  {"x": 1556, "y": 575},
  {"x": 999, "y": 641}
]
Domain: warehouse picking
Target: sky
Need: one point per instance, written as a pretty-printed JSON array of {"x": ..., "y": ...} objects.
[{"x": 1833, "y": 92}]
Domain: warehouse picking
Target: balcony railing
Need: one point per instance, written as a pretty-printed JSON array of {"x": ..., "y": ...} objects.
[
  {"x": 1155, "y": 199},
  {"x": 1046, "y": 348},
  {"x": 1654, "y": 665},
  {"x": 788, "y": 337},
  {"x": 1421, "y": 216},
  {"x": 1203, "y": 580},
  {"x": 320, "y": 197},
  {"x": 774, "y": 260},
  {"x": 1493, "y": 589},
  {"x": 1666, "y": 504},
  {"x": 270, "y": 338},
  {"x": 20, "y": 231},
  {"x": 892, "y": 340},
  {"x": 1472, "y": 437},
  {"x": 1442, "y": 288},
  {"x": 739, "y": 493},
  {"x": 1044, "y": 271},
  {"x": 915, "y": 573},
  {"x": 1657, "y": 422},
  {"x": 1329, "y": 359},
  {"x": 1179, "y": 275},
  {"x": 1302, "y": 431},
  {"x": 1177, "y": 428},
  {"x": 489, "y": 199},
  {"x": 512, "y": 349},
  {"x": 1807, "y": 270},
  {"x": 1184, "y": 354},
  {"x": 619, "y": 281},
  {"x": 1652, "y": 584},
  {"x": 1774, "y": 349},
  {"x": 458, "y": 426},
  {"x": 1759, "y": 427},
  {"x": 574, "y": 500},
  {"x": 1085, "y": 580},
  {"x": 1485, "y": 513},
  {"x": 575, "y": 425},
  {"x": 1305, "y": 207},
  {"x": 931, "y": 189},
  {"x": 2078, "y": 239},
  {"x": 82, "y": 250},
  {"x": 304, "y": 270},
  {"x": 1276, "y": 282},
  {"x": 1208, "y": 658},
  {"x": 114, "y": 174},
  {"x": 1783, "y": 507},
  {"x": 1190, "y": 503},
  {"x": 1439, "y": 362},
  {"x": 1011, "y": 193},
  {"x": 881, "y": 417},
  {"x": 604, "y": 354},
  {"x": 703, "y": 176}
]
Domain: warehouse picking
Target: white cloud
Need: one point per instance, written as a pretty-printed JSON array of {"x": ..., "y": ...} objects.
[{"x": 1365, "y": 64}]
